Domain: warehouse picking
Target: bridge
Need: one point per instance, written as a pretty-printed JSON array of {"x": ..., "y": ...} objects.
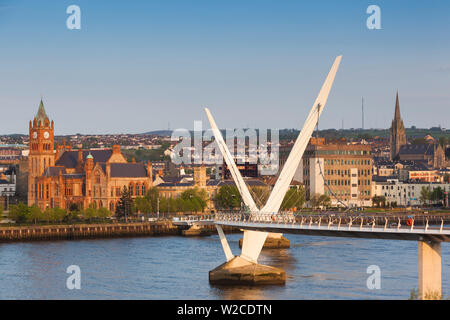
[
  {"x": 421, "y": 228},
  {"x": 190, "y": 221},
  {"x": 259, "y": 223}
]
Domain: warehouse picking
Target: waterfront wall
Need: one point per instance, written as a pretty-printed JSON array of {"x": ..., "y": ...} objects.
[{"x": 86, "y": 231}]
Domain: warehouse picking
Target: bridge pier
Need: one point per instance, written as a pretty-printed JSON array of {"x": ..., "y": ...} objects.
[
  {"x": 273, "y": 241},
  {"x": 239, "y": 271},
  {"x": 429, "y": 270}
]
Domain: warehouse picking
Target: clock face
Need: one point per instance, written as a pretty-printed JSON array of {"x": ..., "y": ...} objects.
[
  {"x": 46, "y": 134},
  {"x": 34, "y": 135}
]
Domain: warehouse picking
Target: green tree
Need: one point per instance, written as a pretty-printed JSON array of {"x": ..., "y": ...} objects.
[
  {"x": 294, "y": 198},
  {"x": 125, "y": 203},
  {"x": 379, "y": 201},
  {"x": 90, "y": 213},
  {"x": 437, "y": 194},
  {"x": 228, "y": 197},
  {"x": 35, "y": 214},
  {"x": 103, "y": 213},
  {"x": 142, "y": 204},
  {"x": 19, "y": 213},
  {"x": 58, "y": 214},
  {"x": 152, "y": 197},
  {"x": 425, "y": 195},
  {"x": 320, "y": 201},
  {"x": 194, "y": 200}
]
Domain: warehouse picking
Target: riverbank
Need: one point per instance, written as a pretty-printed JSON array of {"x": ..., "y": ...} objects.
[{"x": 92, "y": 231}]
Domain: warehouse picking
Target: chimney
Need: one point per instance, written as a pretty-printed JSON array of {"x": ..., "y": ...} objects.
[
  {"x": 80, "y": 156},
  {"x": 116, "y": 149},
  {"x": 150, "y": 172}
]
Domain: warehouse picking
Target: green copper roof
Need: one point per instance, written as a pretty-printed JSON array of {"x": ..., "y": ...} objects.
[
  {"x": 89, "y": 156},
  {"x": 41, "y": 115}
]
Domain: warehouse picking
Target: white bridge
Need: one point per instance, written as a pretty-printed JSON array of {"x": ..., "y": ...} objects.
[
  {"x": 257, "y": 224},
  {"x": 422, "y": 228},
  {"x": 193, "y": 220}
]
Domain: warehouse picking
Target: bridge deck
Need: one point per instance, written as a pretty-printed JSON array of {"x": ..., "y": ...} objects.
[{"x": 334, "y": 227}]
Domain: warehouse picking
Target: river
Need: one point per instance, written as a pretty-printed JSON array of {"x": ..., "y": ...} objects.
[{"x": 177, "y": 268}]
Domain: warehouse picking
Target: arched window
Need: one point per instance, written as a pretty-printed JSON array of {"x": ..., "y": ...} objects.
[
  {"x": 138, "y": 191},
  {"x": 130, "y": 189}
]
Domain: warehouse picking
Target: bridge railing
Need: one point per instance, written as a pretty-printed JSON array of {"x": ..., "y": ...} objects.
[
  {"x": 372, "y": 221},
  {"x": 194, "y": 218}
]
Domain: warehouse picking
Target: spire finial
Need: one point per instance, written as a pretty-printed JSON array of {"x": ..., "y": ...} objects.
[{"x": 397, "y": 107}]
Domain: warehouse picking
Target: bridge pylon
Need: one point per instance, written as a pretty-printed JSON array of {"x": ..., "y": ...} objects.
[{"x": 245, "y": 269}]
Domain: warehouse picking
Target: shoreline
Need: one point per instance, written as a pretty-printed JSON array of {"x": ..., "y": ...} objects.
[{"x": 97, "y": 231}]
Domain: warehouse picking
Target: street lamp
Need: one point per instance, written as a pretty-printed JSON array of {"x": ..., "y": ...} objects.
[
  {"x": 157, "y": 205},
  {"x": 7, "y": 194}
]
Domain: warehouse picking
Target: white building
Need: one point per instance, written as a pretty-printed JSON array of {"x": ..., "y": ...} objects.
[{"x": 404, "y": 193}]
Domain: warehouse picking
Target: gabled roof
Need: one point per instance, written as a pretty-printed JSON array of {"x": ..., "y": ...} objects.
[
  {"x": 53, "y": 171},
  {"x": 423, "y": 149},
  {"x": 69, "y": 159},
  {"x": 128, "y": 170}
]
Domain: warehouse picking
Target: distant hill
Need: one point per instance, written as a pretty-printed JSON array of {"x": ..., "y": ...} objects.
[{"x": 165, "y": 133}]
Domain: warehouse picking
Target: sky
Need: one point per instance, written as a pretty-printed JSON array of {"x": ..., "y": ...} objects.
[{"x": 138, "y": 66}]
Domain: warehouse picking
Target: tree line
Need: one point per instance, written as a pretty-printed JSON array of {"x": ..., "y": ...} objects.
[
  {"x": 21, "y": 213},
  {"x": 229, "y": 198}
]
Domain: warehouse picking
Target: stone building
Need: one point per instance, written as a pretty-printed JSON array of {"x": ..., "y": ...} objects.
[
  {"x": 431, "y": 154},
  {"x": 398, "y": 136},
  {"x": 341, "y": 171},
  {"x": 64, "y": 178}
]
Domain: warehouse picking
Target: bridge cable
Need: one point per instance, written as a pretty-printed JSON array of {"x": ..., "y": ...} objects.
[{"x": 320, "y": 166}]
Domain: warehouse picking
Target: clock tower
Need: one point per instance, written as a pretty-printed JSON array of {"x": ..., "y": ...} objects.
[{"x": 42, "y": 153}]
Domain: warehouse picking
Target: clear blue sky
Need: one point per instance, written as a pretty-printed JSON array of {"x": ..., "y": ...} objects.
[{"x": 135, "y": 66}]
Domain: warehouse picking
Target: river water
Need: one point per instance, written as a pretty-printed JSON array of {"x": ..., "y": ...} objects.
[{"x": 177, "y": 268}]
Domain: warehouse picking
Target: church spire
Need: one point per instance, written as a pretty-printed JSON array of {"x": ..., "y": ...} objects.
[
  {"x": 398, "y": 136},
  {"x": 397, "y": 109},
  {"x": 41, "y": 115}
]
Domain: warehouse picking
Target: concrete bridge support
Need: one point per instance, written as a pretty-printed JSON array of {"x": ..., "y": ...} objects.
[
  {"x": 239, "y": 271},
  {"x": 274, "y": 241},
  {"x": 430, "y": 270}
]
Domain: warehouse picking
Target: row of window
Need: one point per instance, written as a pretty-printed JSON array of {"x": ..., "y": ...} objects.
[
  {"x": 42, "y": 190},
  {"x": 345, "y": 172},
  {"x": 138, "y": 189},
  {"x": 339, "y": 152},
  {"x": 346, "y": 193},
  {"x": 45, "y": 146},
  {"x": 340, "y": 182},
  {"x": 344, "y": 162}
]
